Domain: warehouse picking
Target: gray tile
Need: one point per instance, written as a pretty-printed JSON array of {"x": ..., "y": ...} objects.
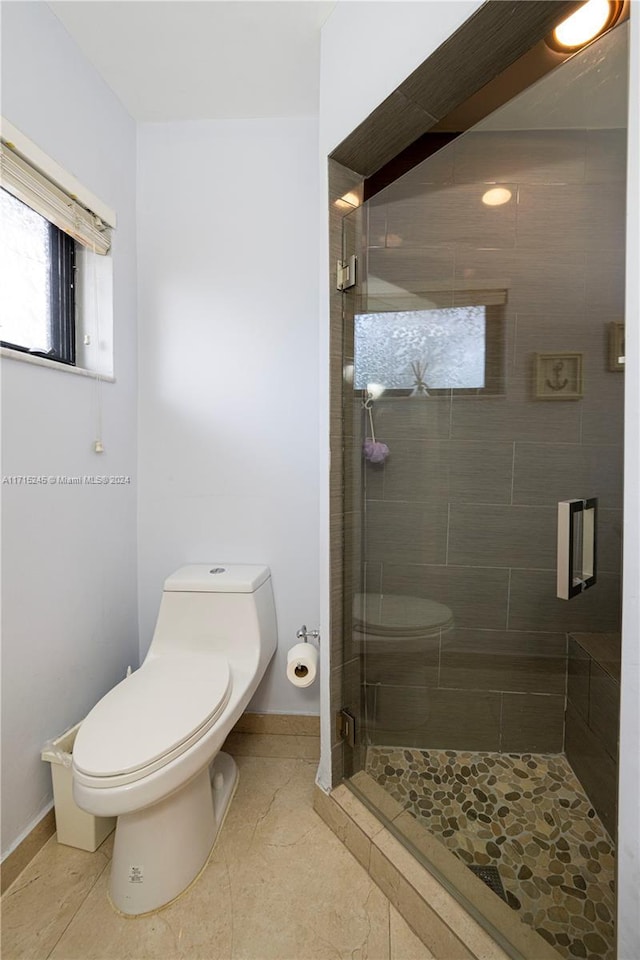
[
  {"x": 502, "y": 660},
  {"x": 514, "y": 418},
  {"x": 604, "y": 709},
  {"x": 397, "y": 661},
  {"x": 480, "y": 472},
  {"x": 593, "y": 767},
  {"x": 604, "y": 648},
  {"x": 402, "y": 417},
  {"x": 411, "y": 532},
  {"x": 427, "y": 718},
  {"x": 341, "y": 180},
  {"x": 345, "y": 691},
  {"x": 452, "y": 213},
  {"x": 352, "y": 691},
  {"x": 436, "y": 168},
  {"x": 477, "y": 596},
  {"x": 392, "y": 126},
  {"x": 336, "y": 586},
  {"x": 553, "y": 281},
  {"x": 335, "y": 699},
  {"x": 606, "y": 156},
  {"x": 521, "y": 156},
  {"x": 476, "y": 53},
  {"x": 339, "y": 767},
  {"x": 392, "y": 709},
  {"x": 372, "y": 581},
  {"x": 411, "y": 269},
  {"x": 578, "y": 678},
  {"x": 418, "y": 470},
  {"x": 545, "y": 473},
  {"x": 561, "y": 216},
  {"x": 484, "y": 535},
  {"x": 604, "y": 290},
  {"x": 560, "y": 332},
  {"x": 532, "y": 723},
  {"x": 421, "y": 470},
  {"x": 533, "y": 604},
  {"x": 376, "y": 223},
  {"x": 356, "y": 474},
  {"x": 603, "y": 402}
]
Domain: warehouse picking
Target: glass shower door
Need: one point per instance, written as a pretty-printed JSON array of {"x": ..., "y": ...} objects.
[{"x": 484, "y": 385}]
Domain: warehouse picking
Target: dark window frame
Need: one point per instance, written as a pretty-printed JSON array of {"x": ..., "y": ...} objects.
[
  {"x": 62, "y": 315},
  {"x": 63, "y": 296}
]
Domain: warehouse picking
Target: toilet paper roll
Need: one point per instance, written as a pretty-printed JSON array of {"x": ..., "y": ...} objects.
[{"x": 302, "y": 664}]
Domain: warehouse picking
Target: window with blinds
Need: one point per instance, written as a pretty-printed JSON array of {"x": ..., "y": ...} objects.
[{"x": 42, "y": 228}]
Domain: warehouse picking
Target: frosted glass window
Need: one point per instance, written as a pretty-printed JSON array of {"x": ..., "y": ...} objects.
[
  {"x": 446, "y": 348},
  {"x": 25, "y": 281}
]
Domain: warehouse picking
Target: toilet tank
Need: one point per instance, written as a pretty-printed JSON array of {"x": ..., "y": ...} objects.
[{"x": 218, "y": 608}]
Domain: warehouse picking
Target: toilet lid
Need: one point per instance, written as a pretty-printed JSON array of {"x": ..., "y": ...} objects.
[
  {"x": 397, "y": 615},
  {"x": 153, "y": 715}
]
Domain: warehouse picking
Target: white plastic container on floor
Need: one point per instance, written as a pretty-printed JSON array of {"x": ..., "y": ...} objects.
[{"x": 74, "y": 827}]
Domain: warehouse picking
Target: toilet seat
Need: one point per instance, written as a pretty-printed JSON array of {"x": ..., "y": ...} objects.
[
  {"x": 386, "y": 616},
  {"x": 151, "y": 718}
]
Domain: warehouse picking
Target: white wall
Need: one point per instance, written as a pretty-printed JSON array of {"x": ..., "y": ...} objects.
[
  {"x": 228, "y": 436},
  {"x": 367, "y": 50},
  {"x": 68, "y": 565}
]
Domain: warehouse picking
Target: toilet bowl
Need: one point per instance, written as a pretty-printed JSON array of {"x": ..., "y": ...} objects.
[{"x": 149, "y": 751}]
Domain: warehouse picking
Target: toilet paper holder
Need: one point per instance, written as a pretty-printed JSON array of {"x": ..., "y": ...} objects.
[{"x": 304, "y": 634}]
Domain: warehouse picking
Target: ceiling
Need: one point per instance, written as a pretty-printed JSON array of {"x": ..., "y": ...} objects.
[{"x": 202, "y": 59}]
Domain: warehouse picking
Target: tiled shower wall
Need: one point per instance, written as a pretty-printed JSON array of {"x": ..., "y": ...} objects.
[
  {"x": 464, "y": 510},
  {"x": 346, "y": 499}
]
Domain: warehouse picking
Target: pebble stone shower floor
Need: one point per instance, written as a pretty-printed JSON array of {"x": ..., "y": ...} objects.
[{"x": 526, "y": 814}]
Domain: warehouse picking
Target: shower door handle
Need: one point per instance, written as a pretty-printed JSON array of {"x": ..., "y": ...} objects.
[{"x": 577, "y": 522}]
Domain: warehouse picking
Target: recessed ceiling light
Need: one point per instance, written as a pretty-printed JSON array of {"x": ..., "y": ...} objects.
[
  {"x": 496, "y": 196},
  {"x": 588, "y": 21}
]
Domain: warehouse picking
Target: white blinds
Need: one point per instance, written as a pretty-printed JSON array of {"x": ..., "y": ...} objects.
[{"x": 26, "y": 184}]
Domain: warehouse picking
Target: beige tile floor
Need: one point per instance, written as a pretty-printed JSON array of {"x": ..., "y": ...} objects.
[{"x": 278, "y": 886}]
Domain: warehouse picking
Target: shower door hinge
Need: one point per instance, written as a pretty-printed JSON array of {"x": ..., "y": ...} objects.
[
  {"x": 346, "y": 727},
  {"x": 346, "y": 273}
]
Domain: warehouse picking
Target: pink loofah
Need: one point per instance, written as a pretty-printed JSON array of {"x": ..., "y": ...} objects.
[{"x": 375, "y": 451}]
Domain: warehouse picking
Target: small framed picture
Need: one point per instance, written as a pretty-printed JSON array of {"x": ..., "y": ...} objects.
[
  {"x": 558, "y": 376},
  {"x": 616, "y": 346}
]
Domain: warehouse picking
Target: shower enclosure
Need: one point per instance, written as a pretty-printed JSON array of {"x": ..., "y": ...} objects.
[{"x": 483, "y": 386}]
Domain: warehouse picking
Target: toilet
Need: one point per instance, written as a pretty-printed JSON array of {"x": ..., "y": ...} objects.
[
  {"x": 398, "y": 624},
  {"x": 149, "y": 751},
  {"x": 399, "y": 639}
]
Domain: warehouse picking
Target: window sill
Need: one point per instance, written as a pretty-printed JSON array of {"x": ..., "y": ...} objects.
[{"x": 54, "y": 365}]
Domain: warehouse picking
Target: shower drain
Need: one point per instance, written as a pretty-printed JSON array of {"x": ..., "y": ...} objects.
[{"x": 491, "y": 877}]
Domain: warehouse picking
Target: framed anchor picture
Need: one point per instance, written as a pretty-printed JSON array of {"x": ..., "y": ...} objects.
[{"x": 558, "y": 376}]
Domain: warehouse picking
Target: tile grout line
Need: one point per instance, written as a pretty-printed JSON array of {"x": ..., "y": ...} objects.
[
  {"x": 80, "y": 906},
  {"x": 446, "y": 552},
  {"x": 513, "y": 471}
]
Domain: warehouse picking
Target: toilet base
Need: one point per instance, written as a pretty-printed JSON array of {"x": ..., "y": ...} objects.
[{"x": 160, "y": 850}]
